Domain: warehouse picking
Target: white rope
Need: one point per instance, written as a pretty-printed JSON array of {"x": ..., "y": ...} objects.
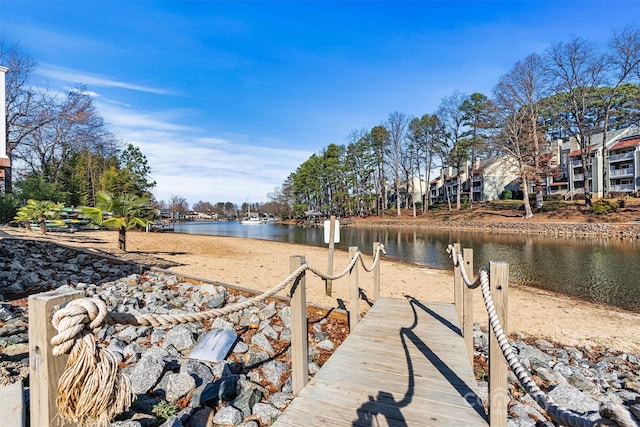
[
  {"x": 92, "y": 391},
  {"x": 612, "y": 414},
  {"x": 376, "y": 259}
]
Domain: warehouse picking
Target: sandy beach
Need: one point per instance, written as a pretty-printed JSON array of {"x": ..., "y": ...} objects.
[{"x": 260, "y": 265}]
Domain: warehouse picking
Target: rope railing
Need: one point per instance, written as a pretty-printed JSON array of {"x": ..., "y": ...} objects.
[
  {"x": 612, "y": 414},
  {"x": 92, "y": 391}
]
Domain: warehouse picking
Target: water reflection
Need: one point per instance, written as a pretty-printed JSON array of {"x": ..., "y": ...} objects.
[{"x": 602, "y": 270}]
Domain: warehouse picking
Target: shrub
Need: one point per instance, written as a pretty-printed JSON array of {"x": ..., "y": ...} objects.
[
  {"x": 164, "y": 409},
  {"x": 506, "y": 195},
  {"x": 602, "y": 206}
]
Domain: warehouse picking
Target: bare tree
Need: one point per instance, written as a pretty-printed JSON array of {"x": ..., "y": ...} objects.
[
  {"x": 576, "y": 69},
  {"x": 517, "y": 96},
  {"x": 177, "y": 206},
  {"x": 379, "y": 137},
  {"x": 453, "y": 118},
  {"x": 622, "y": 60},
  {"x": 26, "y": 108},
  {"x": 397, "y": 126}
]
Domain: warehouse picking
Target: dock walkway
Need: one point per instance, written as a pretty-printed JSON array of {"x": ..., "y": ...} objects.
[{"x": 405, "y": 364}]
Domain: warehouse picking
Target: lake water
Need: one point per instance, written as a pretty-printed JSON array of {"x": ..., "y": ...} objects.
[{"x": 601, "y": 270}]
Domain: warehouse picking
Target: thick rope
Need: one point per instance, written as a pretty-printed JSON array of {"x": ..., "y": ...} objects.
[
  {"x": 458, "y": 260},
  {"x": 611, "y": 414},
  {"x": 92, "y": 391},
  {"x": 343, "y": 273},
  {"x": 376, "y": 259}
]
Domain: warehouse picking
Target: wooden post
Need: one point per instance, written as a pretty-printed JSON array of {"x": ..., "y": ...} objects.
[
  {"x": 498, "y": 395},
  {"x": 457, "y": 284},
  {"x": 467, "y": 304},
  {"x": 44, "y": 368},
  {"x": 299, "y": 337},
  {"x": 332, "y": 230},
  {"x": 376, "y": 273},
  {"x": 354, "y": 291}
]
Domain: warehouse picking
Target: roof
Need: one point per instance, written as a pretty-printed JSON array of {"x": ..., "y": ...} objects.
[
  {"x": 612, "y": 137},
  {"x": 577, "y": 152},
  {"x": 626, "y": 143}
]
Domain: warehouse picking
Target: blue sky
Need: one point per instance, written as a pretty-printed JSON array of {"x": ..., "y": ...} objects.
[{"x": 226, "y": 99}]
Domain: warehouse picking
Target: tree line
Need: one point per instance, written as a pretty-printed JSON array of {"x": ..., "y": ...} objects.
[
  {"x": 61, "y": 150},
  {"x": 573, "y": 89}
]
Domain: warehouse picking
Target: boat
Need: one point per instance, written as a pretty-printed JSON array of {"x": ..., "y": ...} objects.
[{"x": 253, "y": 219}]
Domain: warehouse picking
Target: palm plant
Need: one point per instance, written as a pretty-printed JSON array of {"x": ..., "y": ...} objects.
[
  {"x": 119, "y": 212},
  {"x": 41, "y": 211}
]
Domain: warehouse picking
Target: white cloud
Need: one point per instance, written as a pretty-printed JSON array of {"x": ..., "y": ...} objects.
[
  {"x": 76, "y": 76},
  {"x": 231, "y": 167}
]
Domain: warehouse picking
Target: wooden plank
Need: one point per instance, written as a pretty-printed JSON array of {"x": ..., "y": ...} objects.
[
  {"x": 354, "y": 291},
  {"x": 458, "y": 282},
  {"x": 404, "y": 364},
  {"x": 498, "y": 398},
  {"x": 376, "y": 272},
  {"x": 467, "y": 304},
  {"x": 44, "y": 368},
  {"x": 299, "y": 337}
]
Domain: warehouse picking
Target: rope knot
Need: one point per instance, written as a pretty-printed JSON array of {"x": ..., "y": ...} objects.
[
  {"x": 91, "y": 390},
  {"x": 73, "y": 319}
]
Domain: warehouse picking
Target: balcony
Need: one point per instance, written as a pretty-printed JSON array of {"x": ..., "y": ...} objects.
[
  {"x": 580, "y": 177},
  {"x": 621, "y": 157},
  {"x": 622, "y": 188},
  {"x": 621, "y": 172}
]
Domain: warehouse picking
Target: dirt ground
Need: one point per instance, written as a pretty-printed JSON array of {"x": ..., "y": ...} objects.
[
  {"x": 513, "y": 210},
  {"x": 260, "y": 265}
]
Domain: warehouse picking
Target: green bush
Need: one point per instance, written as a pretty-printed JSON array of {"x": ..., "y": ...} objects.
[
  {"x": 602, "y": 206},
  {"x": 9, "y": 204},
  {"x": 164, "y": 409},
  {"x": 553, "y": 205},
  {"x": 506, "y": 195}
]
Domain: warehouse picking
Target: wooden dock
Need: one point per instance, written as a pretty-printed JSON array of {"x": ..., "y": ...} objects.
[{"x": 405, "y": 364}]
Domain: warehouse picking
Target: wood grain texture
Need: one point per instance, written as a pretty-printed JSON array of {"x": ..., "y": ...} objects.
[{"x": 405, "y": 364}]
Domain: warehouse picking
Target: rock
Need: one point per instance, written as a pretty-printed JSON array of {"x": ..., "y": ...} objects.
[
  {"x": 570, "y": 397},
  {"x": 200, "y": 371},
  {"x": 266, "y": 413},
  {"x": 180, "y": 337},
  {"x": 223, "y": 390},
  {"x": 261, "y": 341},
  {"x": 146, "y": 373},
  {"x": 178, "y": 385},
  {"x": 228, "y": 415},
  {"x": 274, "y": 373}
]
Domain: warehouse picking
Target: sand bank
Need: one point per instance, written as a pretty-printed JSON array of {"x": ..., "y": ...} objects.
[{"x": 259, "y": 265}]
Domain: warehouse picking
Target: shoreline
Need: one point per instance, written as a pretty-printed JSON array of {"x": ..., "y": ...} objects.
[
  {"x": 573, "y": 229},
  {"x": 260, "y": 264}
]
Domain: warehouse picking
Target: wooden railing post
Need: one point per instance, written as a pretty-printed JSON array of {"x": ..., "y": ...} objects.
[
  {"x": 498, "y": 395},
  {"x": 44, "y": 368},
  {"x": 376, "y": 273},
  {"x": 354, "y": 291},
  {"x": 299, "y": 337},
  {"x": 467, "y": 304},
  {"x": 457, "y": 284}
]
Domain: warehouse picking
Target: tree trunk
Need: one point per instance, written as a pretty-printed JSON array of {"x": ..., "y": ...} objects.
[
  {"x": 122, "y": 239},
  {"x": 398, "y": 197},
  {"x": 459, "y": 192},
  {"x": 528, "y": 213},
  {"x": 8, "y": 185},
  {"x": 43, "y": 225}
]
